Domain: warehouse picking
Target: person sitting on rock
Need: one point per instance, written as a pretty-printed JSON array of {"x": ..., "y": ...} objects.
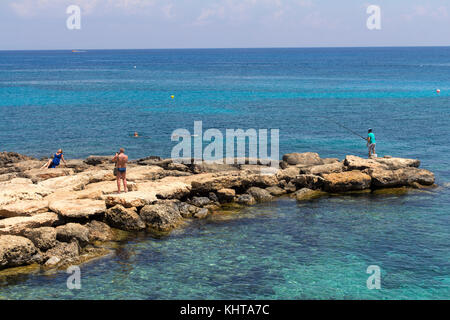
[
  {"x": 53, "y": 163},
  {"x": 121, "y": 160}
]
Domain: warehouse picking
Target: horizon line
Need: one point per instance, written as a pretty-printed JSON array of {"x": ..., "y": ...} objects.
[{"x": 231, "y": 48}]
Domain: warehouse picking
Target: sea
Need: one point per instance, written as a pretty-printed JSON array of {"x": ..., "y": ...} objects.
[{"x": 90, "y": 102}]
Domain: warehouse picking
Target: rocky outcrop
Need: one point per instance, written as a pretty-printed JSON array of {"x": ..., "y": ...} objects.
[
  {"x": 40, "y": 207},
  {"x": 124, "y": 218},
  {"x": 161, "y": 217},
  {"x": 16, "y": 251}
]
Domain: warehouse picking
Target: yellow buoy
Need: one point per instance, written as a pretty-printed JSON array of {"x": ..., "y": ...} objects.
[{"x": 172, "y": 96}]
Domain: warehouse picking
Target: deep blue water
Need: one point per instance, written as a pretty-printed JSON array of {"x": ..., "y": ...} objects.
[{"x": 91, "y": 102}]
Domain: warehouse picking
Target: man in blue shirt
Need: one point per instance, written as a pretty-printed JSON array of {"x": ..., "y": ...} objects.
[{"x": 371, "y": 142}]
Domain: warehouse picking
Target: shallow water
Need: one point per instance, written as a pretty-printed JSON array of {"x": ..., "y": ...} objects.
[
  {"x": 281, "y": 250},
  {"x": 90, "y": 103}
]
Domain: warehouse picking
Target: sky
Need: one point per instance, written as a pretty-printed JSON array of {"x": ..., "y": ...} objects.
[{"x": 148, "y": 24}]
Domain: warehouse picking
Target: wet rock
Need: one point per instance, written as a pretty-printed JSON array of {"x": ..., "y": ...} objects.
[
  {"x": 17, "y": 225},
  {"x": 306, "y": 158},
  {"x": 65, "y": 252},
  {"x": 99, "y": 231},
  {"x": 187, "y": 210},
  {"x": 346, "y": 181},
  {"x": 213, "y": 197},
  {"x": 124, "y": 218},
  {"x": 226, "y": 195},
  {"x": 70, "y": 231},
  {"x": 200, "y": 201},
  {"x": 310, "y": 181},
  {"x": 245, "y": 199},
  {"x": 52, "y": 261},
  {"x": 288, "y": 173},
  {"x": 307, "y": 194},
  {"x": 290, "y": 187},
  {"x": 161, "y": 217},
  {"x": 43, "y": 238},
  {"x": 16, "y": 251},
  {"x": 401, "y": 177},
  {"x": 259, "y": 194},
  {"x": 202, "y": 213},
  {"x": 78, "y": 208},
  {"x": 276, "y": 191}
]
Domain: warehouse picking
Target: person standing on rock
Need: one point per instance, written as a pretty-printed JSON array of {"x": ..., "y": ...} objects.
[
  {"x": 371, "y": 142},
  {"x": 57, "y": 158},
  {"x": 121, "y": 160}
]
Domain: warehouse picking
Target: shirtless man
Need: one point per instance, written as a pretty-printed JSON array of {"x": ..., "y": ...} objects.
[{"x": 121, "y": 160}]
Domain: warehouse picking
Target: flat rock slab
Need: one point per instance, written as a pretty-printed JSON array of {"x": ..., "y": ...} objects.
[
  {"x": 78, "y": 208},
  {"x": 130, "y": 199},
  {"x": 23, "y": 208},
  {"x": 18, "y": 192},
  {"x": 18, "y": 225}
]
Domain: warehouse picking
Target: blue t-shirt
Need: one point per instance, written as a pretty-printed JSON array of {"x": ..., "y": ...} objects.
[{"x": 372, "y": 137}]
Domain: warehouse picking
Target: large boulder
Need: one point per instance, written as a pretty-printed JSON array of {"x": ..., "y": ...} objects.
[
  {"x": 78, "y": 208},
  {"x": 305, "y": 158},
  {"x": 70, "y": 231},
  {"x": 17, "y": 225},
  {"x": 161, "y": 217},
  {"x": 226, "y": 195},
  {"x": 401, "y": 177},
  {"x": 43, "y": 238},
  {"x": 23, "y": 208},
  {"x": 245, "y": 199},
  {"x": 16, "y": 251},
  {"x": 99, "y": 231},
  {"x": 259, "y": 194},
  {"x": 346, "y": 181},
  {"x": 124, "y": 218}
]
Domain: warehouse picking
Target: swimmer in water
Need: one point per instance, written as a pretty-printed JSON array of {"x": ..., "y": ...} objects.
[{"x": 136, "y": 134}]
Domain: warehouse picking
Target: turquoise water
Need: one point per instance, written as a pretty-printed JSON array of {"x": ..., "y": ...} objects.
[{"x": 90, "y": 103}]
